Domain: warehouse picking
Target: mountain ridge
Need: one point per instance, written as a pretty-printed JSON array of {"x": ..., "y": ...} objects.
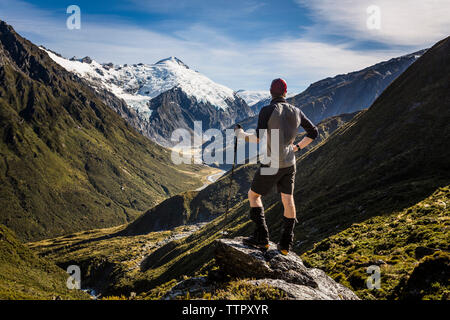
[
  {"x": 69, "y": 162},
  {"x": 345, "y": 93},
  {"x": 173, "y": 59}
]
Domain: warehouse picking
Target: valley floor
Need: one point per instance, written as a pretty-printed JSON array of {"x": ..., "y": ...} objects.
[{"x": 212, "y": 178}]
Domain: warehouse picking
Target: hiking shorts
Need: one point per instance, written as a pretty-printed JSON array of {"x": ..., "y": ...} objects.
[{"x": 284, "y": 180}]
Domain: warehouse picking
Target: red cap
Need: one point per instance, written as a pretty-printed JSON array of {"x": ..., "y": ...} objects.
[{"x": 278, "y": 87}]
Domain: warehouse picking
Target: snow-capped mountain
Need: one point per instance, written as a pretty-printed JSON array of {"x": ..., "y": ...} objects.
[
  {"x": 253, "y": 96},
  {"x": 138, "y": 84},
  {"x": 258, "y": 98}
]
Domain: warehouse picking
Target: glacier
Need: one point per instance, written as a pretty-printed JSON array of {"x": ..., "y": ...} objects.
[{"x": 138, "y": 83}]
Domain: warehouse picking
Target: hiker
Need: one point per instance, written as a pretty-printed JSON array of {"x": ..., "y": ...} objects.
[{"x": 286, "y": 118}]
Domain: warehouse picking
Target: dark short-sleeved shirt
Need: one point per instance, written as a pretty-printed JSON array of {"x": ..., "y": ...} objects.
[{"x": 287, "y": 119}]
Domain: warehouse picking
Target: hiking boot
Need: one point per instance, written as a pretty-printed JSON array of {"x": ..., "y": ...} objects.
[
  {"x": 254, "y": 241},
  {"x": 260, "y": 238},
  {"x": 287, "y": 236}
]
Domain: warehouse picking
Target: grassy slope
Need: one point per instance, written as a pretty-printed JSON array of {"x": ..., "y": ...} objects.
[
  {"x": 412, "y": 241},
  {"x": 410, "y": 245},
  {"x": 105, "y": 257},
  {"x": 67, "y": 161},
  {"x": 23, "y": 275}
]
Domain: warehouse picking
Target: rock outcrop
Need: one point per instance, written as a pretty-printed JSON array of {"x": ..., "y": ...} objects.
[
  {"x": 286, "y": 273},
  {"x": 195, "y": 285}
]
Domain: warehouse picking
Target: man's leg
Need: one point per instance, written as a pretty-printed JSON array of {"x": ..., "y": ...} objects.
[
  {"x": 260, "y": 237},
  {"x": 289, "y": 205},
  {"x": 254, "y": 199},
  {"x": 286, "y": 188},
  {"x": 289, "y": 219}
]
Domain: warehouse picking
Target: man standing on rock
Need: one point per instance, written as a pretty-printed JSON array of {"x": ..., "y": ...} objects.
[{"x": 286, "y": 118}]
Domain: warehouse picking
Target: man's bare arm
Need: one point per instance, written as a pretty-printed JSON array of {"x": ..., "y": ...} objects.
[{"x": 303, "y": 144}]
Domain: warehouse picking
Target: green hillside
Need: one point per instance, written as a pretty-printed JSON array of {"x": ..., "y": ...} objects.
[
  {"x": 410, "y": 246},
  {"x": 23, "y": 275},
  {"x": 68, "y": 162}
]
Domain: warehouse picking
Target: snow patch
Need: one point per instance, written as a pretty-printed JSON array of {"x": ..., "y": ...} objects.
[{"x": 251, "y": 97}]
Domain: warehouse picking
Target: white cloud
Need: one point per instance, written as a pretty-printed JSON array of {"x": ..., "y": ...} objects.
[
  {"x": 418, "y": 23},
  {"x": 219, "y": 9}
]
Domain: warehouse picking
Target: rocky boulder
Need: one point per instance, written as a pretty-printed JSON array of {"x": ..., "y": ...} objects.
[{"x": 286, "y": 273}]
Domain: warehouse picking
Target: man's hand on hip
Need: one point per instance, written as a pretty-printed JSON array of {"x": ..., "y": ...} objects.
[{"x": 303, "y": 144}]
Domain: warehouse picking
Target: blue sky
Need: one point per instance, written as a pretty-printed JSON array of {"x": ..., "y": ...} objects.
[
  {"x": 247, "y": 20},
  {"x": 241, "y": 44}
]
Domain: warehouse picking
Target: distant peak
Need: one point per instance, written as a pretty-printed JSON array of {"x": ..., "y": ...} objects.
[
  {"x": 86, "y": 59},
  {"x": 5, "y": 27},
  {"x": 172, "y": 60}
]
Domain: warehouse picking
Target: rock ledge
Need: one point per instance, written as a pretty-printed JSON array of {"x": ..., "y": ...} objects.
[{"x": 287, "y": 273}]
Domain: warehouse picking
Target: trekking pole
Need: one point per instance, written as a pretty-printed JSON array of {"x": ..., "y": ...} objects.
[{"x": 224, "y": 232}]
